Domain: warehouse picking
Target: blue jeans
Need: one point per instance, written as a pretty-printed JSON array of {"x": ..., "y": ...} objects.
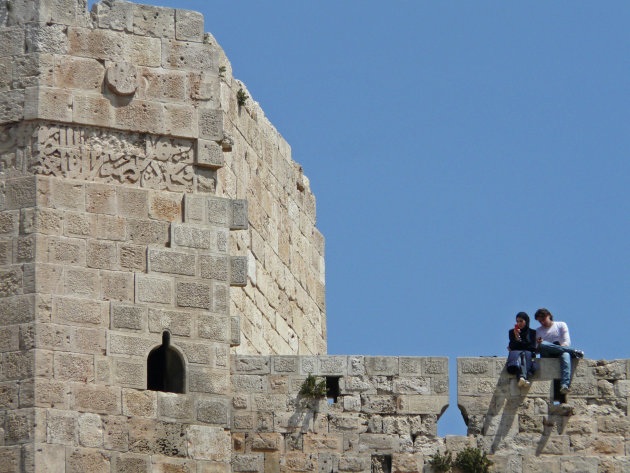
[
  {"x": 551, "y": 350},
  {"x": 520, "y": 363}
]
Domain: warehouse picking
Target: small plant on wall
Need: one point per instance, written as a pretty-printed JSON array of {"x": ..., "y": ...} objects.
[
  {"x": 241, "y": 97},
  {"x": 311, "y": 388},
  {"x": 472, "y": 460},
  {"x": 441, "y": 463}
]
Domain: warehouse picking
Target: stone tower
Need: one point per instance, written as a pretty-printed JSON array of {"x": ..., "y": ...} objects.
[{"x": 162, "y": 290}]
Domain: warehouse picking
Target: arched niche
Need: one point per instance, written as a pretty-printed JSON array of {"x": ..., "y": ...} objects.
[{"x": 165, "y": 368}]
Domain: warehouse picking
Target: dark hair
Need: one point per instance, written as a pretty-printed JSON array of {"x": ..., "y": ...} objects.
[
  {"x": 542, "y": 313},
  {"x": 525, "y": 317}
]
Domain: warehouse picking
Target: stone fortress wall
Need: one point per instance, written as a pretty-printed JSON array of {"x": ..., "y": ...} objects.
[{"x": 138, "y": 198}]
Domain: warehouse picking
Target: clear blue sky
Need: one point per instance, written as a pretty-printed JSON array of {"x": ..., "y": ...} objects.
[{"x": 470, "y": 160}]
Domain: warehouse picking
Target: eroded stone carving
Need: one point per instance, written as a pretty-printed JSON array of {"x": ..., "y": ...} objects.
[
  {"x": 122, "y": 78},
  {"x": 86, "y": 153}
]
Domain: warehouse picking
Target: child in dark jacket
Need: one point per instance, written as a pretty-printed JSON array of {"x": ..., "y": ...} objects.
[{"x": 522, "y": 350}]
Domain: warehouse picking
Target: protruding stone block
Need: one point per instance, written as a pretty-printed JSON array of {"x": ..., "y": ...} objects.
[
  {"x": 209, "y": 154},
  {"x": 211, "y": 124},
  {"x": 122, "y": 78},
  {"x": 189, "y": 26},
  {"x": 238, "y": 271},
  {"x": 239, "y": 215}
]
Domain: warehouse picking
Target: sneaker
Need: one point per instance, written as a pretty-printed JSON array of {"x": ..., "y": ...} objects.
[
  {"x": 523, "y": 383},
  {"x": 578, "y": 354},
  {"x": 564, "y": 389}
]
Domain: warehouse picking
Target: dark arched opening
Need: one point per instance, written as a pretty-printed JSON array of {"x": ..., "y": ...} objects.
[{"x": 165, "y": 368}]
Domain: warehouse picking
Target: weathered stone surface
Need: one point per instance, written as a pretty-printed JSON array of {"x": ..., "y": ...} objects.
[{"x": 122, "y": 78}]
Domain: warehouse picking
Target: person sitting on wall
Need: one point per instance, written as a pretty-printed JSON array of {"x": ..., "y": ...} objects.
[
  {"x": 522, "y": 349},
  {"x": 554, "y": 342}
]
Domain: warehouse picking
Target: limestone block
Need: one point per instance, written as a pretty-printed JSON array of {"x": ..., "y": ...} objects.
[
  {"x": 214, "y": 327},
  {"x": 378, "y": 404},
  {"x": 79, "y": 312},
  {"x": 418, "y": 404},
  {"x": 214, "y": 267},
  {"x": 409, "y": 385},
  {"x": 47, "y": 38},
  {"x": 140, "y": 116},
  {"x": 238, "y": 270},
  {"x": 381, "y": 365},
  {"x": 97, "y": 44},
  {"x": 434, "y": 366},
  {"x": 139, "y": 403},
  {"x": 164, "y": 206},
  {"x": 284, "y": 364},
  {"x": 220, "y": 298},
  {"x": 122, "y": 78},
  {"x": 173, "y": 262},
  {"x": 11, "y": 106},
  {"x": 251, "y": 364},
  {"x": 115, "y": 16},
  {"x": 239, "y": 215},
  {"x": 377, "y": 443},
  {"x": 101, "y": 254},
  {"x": 191, "y": 294},
  {"x": 189, "y": 26},
  {"x": 6, "y": 251},
  {"x": 152, "y": 289},
  {"x": 132, "y": 317},
  {"x": 208, "y": 381},
  {"x": 332, "y": 365},
  {"x": 11, "y": 41},
  {"x": 19, "y": 193},
  {"x": 247, "y": 463},
  {"x": 213, "y": 410},
  {"x": 173, "y": 406},
  {"x": 82, "y": 460},
  {"x": 191, "y": 56},
  {"x": 131, "y": 345},
  {"x": 235, "y": 328},
  {"x": 5, "y": 72},
  {"x": 354, "y": 463},
  {"x": 47, "y": 103},
  {"x": 90, "y": 430},
  {"x": 96, "y": 398},
  {"x": 9, "y": 223},
  {"x": 132, "y": 202},
  {"x": 248, "y": 383},
  {"x": 92, "y": 110},
  {"x": 193, "y": 236},
  {"x": 10, "y": 459},
  {"x": 209, "y": 443},
  {"x": 49, "y": 458},
  {"x": 130, "y": 373},
  {"x": 79, "y": 224},
  {"x": 211, "y": 124},
  {"x": 34, "y": 69},
  {"x": 209, "y": 154},
  {"x": 117, "y": 286},
  {"x": 116, "y": 437},
  {"x": 132, "y": 257},
  {"x": 475, "y": 366},
  {"x": 180, "y": 120},
  {"x": 11, "y": 281},
  {"x": 67, "y": 195},
  {"x": 145, "y": 51},
  {"x": 196, "y": 352},
  {"x": 129, "y": 462},
  {"x": 74, "y": 367},
  {"x": 153, "y": 21},
  {"x": 195, "y": 208},
  {"x": 78, "y": 73},
  {"x": 177, "y": 322},
  {"x": 62, "y": 428}
]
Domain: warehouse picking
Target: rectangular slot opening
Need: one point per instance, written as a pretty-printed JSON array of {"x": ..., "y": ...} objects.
[
  {"x": 332, "y": 389},
  {"x": 381, "y": 463},
  {"x": 558, "y": 397}
]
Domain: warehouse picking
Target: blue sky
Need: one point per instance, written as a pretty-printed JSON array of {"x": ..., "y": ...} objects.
[{"x": 470, "y": 160}]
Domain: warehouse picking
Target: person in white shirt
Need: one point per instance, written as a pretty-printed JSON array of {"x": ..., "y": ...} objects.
[{"x": 554, "y": 341}]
